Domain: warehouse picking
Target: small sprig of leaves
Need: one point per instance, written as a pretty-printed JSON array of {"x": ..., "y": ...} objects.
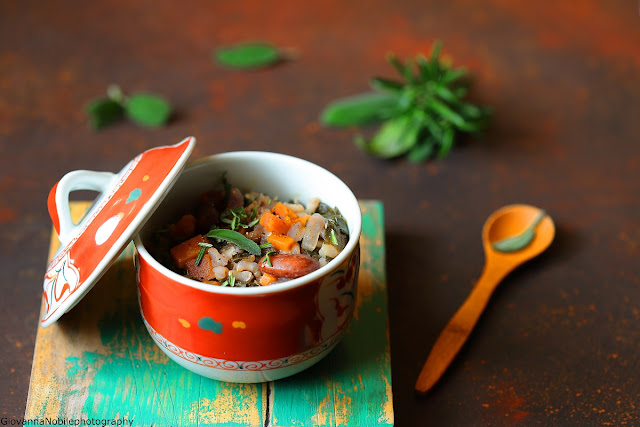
[
  {"x": 236, "y": 218},
  {"x": 141, "y": 108},
  {"x": 420, "y": 114}
]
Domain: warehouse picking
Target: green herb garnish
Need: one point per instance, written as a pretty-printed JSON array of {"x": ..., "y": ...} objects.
[
  {"x": 203, "y": 249},
  {"x": 144, "y": 109},
  {"x": 265, "y": 245},
  {"x": 334, "y": 239},
  {"x": 420, "y": 114},
  {"x": 249, "y": 55},
  {"x": 235, "y": 238},
  {"x": 231, "y": 281},
  {"x": 267, "y": 258}
]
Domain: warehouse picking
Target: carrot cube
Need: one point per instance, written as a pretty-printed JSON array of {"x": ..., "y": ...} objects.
[
  {"x": 187, "y": 250},
  {"x": 203, "y": 271},
  {"x": 273, "y": 223},
  {"x": 283, "y": 211},
  {"x": 267, "y": 279},
  {"x": 281, "y": 242}
]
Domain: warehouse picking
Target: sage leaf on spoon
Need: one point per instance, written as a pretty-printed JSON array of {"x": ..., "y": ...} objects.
[
  {"x": 522, "y": 240},
  {"x": 248, "y": 55}
]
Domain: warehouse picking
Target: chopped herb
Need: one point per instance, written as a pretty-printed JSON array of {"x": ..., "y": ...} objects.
[
  {"x": 235, "y": 238},
  {"x": 203, "y": 250},
  {"x": 231, "y": 280},
  {"x": 254, "y": 222},
  {"x": 265, "y": 245},
  {"x": 267, "y": 258},
  {"x": 334, "y": 239}
]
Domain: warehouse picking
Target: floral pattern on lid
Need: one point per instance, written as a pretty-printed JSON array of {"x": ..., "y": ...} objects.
[{"x": 89, "y": 248}]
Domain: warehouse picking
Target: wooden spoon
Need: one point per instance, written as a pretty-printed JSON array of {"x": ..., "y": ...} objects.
[{"x": 510, "y": 236}]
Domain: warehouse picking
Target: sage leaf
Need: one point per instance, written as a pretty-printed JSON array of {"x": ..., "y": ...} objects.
[
  {"x": 446, "y": 143},
  {"x": 452, "y": 75},
  {"x": 359, "y": 109},
  {"x": 104, "y": 112},
  {"x": 148, "y": 110},
  {"x": 237, "y": 239},
  {"x": 396, "y": 137},
  {"x": 421, "y": 151},
  {"x": 380, "y": 83},
  {"x": 248, "y": 55},
  {"x": 446, "y": 112},
  {"x": 522, "y": 240}
]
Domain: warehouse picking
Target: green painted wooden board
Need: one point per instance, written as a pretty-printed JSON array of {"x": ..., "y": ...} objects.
[{"x": 98, "y": 363}]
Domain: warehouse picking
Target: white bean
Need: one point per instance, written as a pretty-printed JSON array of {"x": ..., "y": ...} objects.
[
  {"x": 217, "y": 259},
  {"x": 296, "y": 231},
  {"x": 245, "y": 265},
  {"x": 328, "y": 250},
  {"x": 221, "y": 272},
  {"x": 312, "y": 205},
  {"x": 315, "y": 225}
]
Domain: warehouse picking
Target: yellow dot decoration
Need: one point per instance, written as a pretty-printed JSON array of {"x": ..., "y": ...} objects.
[
  {"x": 145, "y": 178},
  {"x": 239, "y": 324},
  {"x": 121, "y": 214},
  {"x": 184, "y": 323}
]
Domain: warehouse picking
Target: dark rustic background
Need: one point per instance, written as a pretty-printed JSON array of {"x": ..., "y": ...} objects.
[{"x": 559, "y": 343}]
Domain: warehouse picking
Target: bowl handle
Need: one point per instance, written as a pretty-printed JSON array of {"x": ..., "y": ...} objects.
[{"x": 58, "y": 201}]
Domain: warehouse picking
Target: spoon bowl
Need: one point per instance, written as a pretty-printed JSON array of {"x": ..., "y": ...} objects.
[
  {"x": 511, "y": 236},
  {"x": 510, "y": 221}
]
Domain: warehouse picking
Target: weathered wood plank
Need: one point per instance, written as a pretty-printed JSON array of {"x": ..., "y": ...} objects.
[
  {"x": 352, "y": 385},
  {"x": 99, "y": 362}
]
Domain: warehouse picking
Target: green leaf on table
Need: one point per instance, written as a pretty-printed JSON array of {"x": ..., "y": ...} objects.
[
  {"x": 360, "y": 109},
  {"x": 396, "y": 137},
  {"x": 104, "y": 112},
  {"x": 148, "y": 110},
  {"x": 248, "y": 55},
  {"x": 422, "y": 150}
]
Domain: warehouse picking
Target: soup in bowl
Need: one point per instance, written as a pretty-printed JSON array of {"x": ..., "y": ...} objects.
[{"x": 228, "y": 324}]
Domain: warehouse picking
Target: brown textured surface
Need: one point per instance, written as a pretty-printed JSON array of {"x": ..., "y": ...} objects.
[{"x": 558, "y": 344}]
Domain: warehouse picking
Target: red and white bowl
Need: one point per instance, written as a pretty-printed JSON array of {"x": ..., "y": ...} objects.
[{"x": 259, "y": 333}]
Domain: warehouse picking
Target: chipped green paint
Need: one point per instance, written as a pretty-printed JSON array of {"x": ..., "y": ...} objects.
[{"x": 103, "y": 364}]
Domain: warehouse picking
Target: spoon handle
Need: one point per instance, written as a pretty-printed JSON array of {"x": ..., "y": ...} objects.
[{"x": 458, "y": 329}]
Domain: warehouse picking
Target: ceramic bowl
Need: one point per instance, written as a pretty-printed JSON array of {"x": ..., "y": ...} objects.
[{"x": 259, "y": 333}]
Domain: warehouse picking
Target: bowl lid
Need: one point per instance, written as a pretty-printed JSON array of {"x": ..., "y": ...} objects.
[{"x": 127, "y": 199}]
